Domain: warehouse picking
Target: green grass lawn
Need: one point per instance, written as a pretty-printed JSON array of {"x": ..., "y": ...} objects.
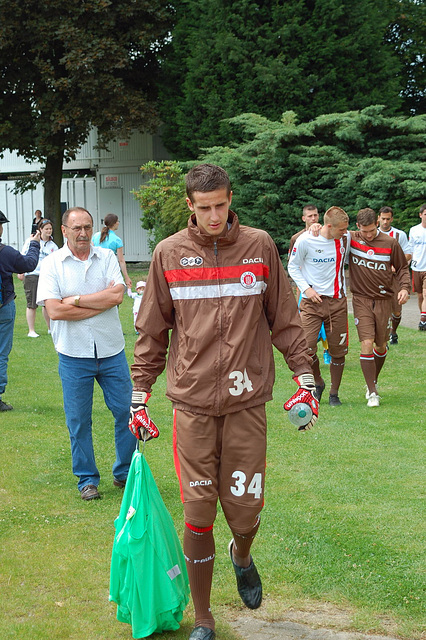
[{"x": 342, "y": 527}]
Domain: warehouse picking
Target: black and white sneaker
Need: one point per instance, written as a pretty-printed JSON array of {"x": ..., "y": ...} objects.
[
  {"x": 422, "y": 326},
  {"x": 393, "y": 339}
]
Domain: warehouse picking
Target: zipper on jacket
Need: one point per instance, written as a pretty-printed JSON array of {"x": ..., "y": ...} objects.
[{"x": 215, "y": 250}]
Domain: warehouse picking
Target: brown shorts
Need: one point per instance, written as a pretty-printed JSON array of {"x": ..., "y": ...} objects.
[
  {"x": 221, "y": 457},
  {"x": 334, "y": 313},
  {"x": 372, "y": 318},
  {"x": 30, "y": 288},
  {"x": 419, "y": 281}
]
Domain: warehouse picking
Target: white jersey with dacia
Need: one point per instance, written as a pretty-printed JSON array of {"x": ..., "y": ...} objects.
[{"x": 319, "y": 263}]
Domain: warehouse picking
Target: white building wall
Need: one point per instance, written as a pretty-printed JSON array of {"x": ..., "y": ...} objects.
[
  {"x": 116, "y": 174},
  {"x": 19, "y": 208},
  {"x": 119, "y": 200}
]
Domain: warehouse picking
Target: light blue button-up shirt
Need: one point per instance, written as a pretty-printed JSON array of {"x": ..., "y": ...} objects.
[{"x": 62, "y": 274}]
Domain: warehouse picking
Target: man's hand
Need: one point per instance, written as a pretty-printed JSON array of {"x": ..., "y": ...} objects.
[
  {"x": 315, "y": 229},
  {"x": 313, "y": 295},
  {"x": 36, "y": 236},
  {"x": 140, "y": 424},
  {"x": 306, "y": 393},
  {"x": 403, "y": 296}
]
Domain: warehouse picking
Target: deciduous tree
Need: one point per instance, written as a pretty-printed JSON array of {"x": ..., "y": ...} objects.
[{"x": 68, "y": 66}]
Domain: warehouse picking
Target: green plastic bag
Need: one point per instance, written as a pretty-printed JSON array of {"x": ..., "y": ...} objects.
[{"x": 148, "y": 580}]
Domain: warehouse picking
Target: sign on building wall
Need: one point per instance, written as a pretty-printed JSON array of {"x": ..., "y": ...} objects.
[{"x": 112, "y": 182}]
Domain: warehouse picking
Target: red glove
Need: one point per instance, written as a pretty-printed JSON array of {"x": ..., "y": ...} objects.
[
  {"x": 140, "y": 424},
  {"x": 306, "y": 393}
]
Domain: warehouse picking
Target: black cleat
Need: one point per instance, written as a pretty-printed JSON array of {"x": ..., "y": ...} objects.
[
  {"x": 393, "y": 338},
  {"x": 334, "y": 400},
  {"x": 422, "y": 326},
  {"x": 202, "y": 633},
  {"x": 5, "y": 407},
  {"x": 319, "y": 388},
  {"x": 248, "y": 582}
]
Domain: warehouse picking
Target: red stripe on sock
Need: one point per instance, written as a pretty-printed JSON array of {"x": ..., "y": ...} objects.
[{"x": 198, "y": 529}]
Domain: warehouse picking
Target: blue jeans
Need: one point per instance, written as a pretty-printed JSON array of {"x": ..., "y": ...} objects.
[
  {"x": 77, "y": 377},
  {"x": 7, "y": 321}
]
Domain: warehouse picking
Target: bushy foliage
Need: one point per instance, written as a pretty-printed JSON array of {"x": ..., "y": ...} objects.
[
  {"x": 353, "y": 160},
  {"x": 162, "y": 199}
]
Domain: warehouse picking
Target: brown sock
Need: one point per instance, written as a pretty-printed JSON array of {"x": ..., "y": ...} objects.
[
  {"x": 199, "y": 550},
  {"x": 395, "y": 323},
  {"x": 368, "y": 367},
  {"x": 242, "y": 545},
  {"x": 316, "y": 370},
  {"x": 336, "y": 372},
  {"x": 379, "y": 359}
]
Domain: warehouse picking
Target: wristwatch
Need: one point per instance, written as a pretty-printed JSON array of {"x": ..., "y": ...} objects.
[{"x": 77, "y": 301}]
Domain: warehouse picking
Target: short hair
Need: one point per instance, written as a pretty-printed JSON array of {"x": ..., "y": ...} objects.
[
  {"x": 422, "y": 208},
  {"x": 309, "y": 207},
  {"x": 366, "y": 216},
  {"x": 335, "y": 215},
  {"x": 71, "y": 210},
  {"x": 206, "y": 177},
  {"x": 386, "y": 210}
]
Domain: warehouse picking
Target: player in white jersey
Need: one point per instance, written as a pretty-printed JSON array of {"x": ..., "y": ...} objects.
[
  {"x": 417, "y": 239},
  {"x": 317, "y": 267},
  {"x": 384, "y": 222}
]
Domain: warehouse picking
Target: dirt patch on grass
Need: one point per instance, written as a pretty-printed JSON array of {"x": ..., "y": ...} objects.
[{"x": 322, "y": 621}]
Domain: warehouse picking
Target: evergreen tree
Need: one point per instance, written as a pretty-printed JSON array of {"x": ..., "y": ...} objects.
[
  {"x": 407, "y": 33},
  {"x": 353, "y": 160},
  {"x": 310, "y": 56}
]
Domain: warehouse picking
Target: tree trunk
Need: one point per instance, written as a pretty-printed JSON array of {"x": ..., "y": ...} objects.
[{"x": 52, "y": 194}]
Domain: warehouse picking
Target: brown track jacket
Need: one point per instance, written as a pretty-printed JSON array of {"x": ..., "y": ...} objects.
[{"x": 226, "y": 300}]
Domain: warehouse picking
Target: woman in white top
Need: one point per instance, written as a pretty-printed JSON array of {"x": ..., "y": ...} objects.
[
  {"x": 108, "y": 239},
  {"x": 31, "y": 279}
]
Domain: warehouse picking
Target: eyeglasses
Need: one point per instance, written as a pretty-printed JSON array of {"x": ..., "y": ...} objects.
[{"x": 84, "y": 227}]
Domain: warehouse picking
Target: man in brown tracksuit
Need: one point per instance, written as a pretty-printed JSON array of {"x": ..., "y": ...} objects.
[
  {"x": 374, "y": 258},
  {"x": 221, "y": 291}
]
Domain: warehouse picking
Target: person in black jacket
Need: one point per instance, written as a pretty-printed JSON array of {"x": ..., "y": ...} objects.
[{"x": 11, "y": 261}]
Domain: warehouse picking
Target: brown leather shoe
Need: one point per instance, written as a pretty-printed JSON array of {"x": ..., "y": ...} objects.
[
  {"x": 89, "y": 492},
  {"x": 119, "y": 483}
]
